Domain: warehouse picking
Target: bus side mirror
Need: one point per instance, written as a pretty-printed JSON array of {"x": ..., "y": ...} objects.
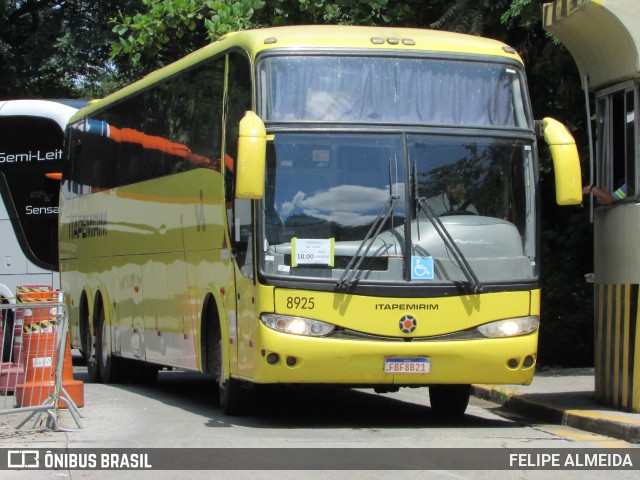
[
  {"x": 566, "y": 162},
  {"x": 252, "y": 154}
]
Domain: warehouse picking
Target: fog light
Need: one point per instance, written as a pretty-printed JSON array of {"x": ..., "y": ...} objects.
[
  {"x": 512, "y": 363},
  {"x": 291, "y": 361},
  {"x": 528, "y": 361},
  {"x": 273, "y": 358}
]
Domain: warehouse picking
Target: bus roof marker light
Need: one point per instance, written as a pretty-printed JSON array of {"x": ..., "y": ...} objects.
[
  {"x": 393, "y": 41},
  {"x": 270, "y": 40},
  {"x": 408, "y": 41},
  {"x": 508, "y": 49},
  {"x": 377, "y": 40}
]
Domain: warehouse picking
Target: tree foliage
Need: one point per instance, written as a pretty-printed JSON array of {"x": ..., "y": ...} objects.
[
  {"x": 149, "y": 37},
  {"x": 58, "y": 48},
  {"x": 168, "y": 30}
]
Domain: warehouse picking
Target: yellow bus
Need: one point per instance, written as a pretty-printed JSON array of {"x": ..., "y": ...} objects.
[{"x": 349, "y": 206}]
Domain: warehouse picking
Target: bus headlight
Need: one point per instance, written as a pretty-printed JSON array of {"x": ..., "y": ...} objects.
[
  {"x": 296, "y": 325},
  {"x": 511, "y": 327}
]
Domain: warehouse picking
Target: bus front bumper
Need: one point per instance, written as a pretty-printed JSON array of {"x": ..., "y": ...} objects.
[{"x": 285, "y": 358}]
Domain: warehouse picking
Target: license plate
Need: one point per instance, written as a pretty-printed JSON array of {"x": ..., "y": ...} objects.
[{"x": 407, "y": 365}]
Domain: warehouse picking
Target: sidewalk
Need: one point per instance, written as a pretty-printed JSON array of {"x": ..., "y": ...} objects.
[{"x": 566, "y": 397}]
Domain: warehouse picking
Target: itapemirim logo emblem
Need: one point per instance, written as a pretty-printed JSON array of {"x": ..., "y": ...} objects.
[{"x": 408, "y": 324}]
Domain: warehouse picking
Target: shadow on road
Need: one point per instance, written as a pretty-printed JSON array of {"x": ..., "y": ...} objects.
[{"x": 302, "y": 406}]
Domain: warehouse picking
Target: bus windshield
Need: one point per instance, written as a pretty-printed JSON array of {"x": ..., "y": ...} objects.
[
  {"x": 392, "y": 90},
  {"x": 330, "y": 197}
]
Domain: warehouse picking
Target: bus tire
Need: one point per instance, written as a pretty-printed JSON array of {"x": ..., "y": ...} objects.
[
  {"x": 7, "y": 332},
  {"x": 449, "y": 400},
  {"x": 88, "y": 339},
  {"x": 231, "y": 394},
  {"x": 112, "y": 369}
]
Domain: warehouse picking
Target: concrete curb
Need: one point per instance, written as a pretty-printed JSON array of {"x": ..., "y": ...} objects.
[{"x": 546, "y": 410}]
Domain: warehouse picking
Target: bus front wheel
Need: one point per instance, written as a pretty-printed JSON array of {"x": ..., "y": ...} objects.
[
  {"x": 449, "y": 400},
  {"x": 231, "y": 394}
]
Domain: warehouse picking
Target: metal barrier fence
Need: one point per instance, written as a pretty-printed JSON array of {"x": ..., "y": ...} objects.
[{"x": 36, "y": 370}]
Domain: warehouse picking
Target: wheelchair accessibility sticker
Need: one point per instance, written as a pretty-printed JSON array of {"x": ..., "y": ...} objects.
[{"x": 422, "y": 268}]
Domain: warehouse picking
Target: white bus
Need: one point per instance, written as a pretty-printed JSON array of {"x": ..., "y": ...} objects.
[{"x": 31, "y": 141}]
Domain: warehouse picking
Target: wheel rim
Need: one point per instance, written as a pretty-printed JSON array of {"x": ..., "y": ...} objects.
[
  {"x": 104, "y": 341},
  {"x": 220, "y": 370},
  {"x": 88, "y": 346}
]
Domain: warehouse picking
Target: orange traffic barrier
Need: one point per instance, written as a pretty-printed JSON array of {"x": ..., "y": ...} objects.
[
  {"x": 38, "y": 353},
  {"x": 39, "y": 380},
  {"x": 40, "y": 358},
  {"x": 74, "y": 388},
  {"x": 36, "y": 293}
]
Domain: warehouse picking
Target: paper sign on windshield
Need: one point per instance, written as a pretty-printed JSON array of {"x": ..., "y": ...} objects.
[{"x": 312, "y": 251}]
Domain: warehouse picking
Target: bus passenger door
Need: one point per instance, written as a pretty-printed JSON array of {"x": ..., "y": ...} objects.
[
  {"x": 245, "y": 292},
  {"x": 239, "y": 215}
]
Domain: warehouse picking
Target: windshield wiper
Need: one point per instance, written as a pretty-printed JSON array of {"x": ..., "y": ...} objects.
[
  {"x": 356, "y": 260},
  {"x": 423, "y": 203}
]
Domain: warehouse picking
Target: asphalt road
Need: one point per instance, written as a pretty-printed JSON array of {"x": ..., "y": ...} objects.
[{"x": 179, "y": 411}]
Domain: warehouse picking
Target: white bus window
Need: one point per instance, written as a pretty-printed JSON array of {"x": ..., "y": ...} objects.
[{"x": 30, "y": 148}]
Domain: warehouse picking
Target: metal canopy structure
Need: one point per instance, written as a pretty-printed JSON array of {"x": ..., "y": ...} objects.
[{"x": 602, "y": 36}]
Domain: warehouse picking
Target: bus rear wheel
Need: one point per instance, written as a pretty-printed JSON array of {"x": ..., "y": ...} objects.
[
  {"x": 88, "y": 346},
  {"x": 112, "y": 369},
  {"x": 449, "y": 400}
]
